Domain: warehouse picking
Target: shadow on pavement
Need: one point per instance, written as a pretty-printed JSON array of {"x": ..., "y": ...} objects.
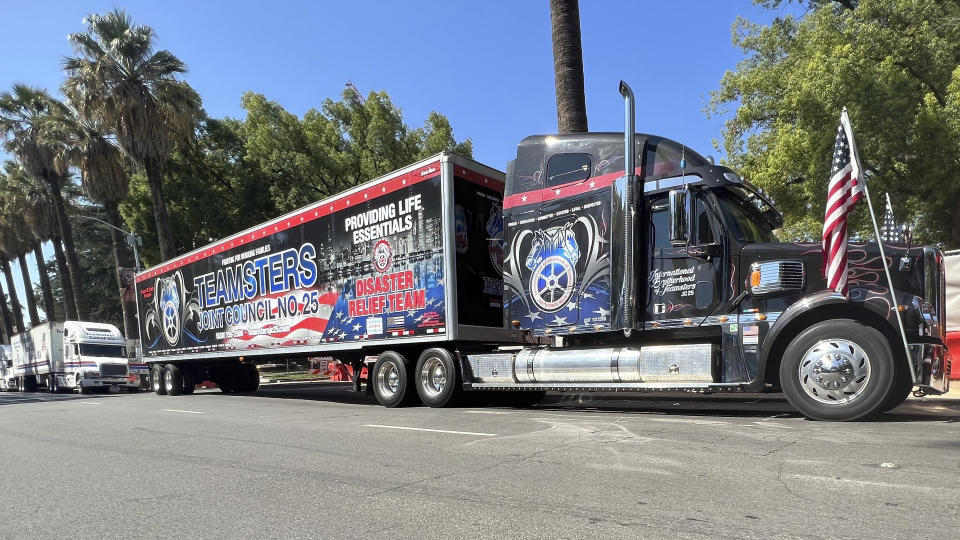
[
  {"x": 21, "y": 398},
  {"x": 716, "y": 405}
]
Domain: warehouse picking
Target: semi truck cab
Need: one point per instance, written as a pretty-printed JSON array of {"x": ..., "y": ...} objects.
[
  {"x": 96, "y": 355},
  {"x": 641, "y": 265}
]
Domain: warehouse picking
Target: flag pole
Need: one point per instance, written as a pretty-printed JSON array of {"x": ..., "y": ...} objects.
[{"x": 883, "y": 257}]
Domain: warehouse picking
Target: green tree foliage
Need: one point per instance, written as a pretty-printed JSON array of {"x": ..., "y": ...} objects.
[
  {"x": 242, "y": 172},
  {"x": 895, "y": 64}
]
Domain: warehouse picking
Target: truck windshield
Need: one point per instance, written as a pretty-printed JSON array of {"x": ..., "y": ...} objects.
[
  {"x": 744, "y": 217},
  {"x": 95, "y": 349}
]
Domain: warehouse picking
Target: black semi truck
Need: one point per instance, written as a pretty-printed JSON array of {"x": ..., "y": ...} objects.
[{"x": 599, "y": 262}]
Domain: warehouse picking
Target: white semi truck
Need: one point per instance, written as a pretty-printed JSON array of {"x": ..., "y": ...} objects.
[
  {"x": 6, "y": 364},
  {"x": 71, "y": 355}
]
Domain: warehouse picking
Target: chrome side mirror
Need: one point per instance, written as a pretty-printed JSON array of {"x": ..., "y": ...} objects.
[{"x": 679, "y": 217}]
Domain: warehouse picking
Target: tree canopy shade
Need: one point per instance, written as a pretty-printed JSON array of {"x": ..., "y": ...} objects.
[
  {"x": 238, "y": 173},
  {"x": 895, "y": 64}
]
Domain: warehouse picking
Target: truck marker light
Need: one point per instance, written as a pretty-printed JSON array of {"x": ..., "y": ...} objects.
[
  {"x": 572, "y": 329},
  {"x": 754, "y": 279},
  {"x": 901, "y": 308},
  {"x": 761, "y": 317},
  {"x": 515, "y": 323},
  {"x": 687, "y": 322},
  {"x": 724, "y": 318}
]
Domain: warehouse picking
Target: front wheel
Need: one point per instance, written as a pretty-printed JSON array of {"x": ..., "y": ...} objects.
[{"x": 837, "y": 370}]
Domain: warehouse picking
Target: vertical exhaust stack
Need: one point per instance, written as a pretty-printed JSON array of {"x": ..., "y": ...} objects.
[{"x": 624, "y": 216}]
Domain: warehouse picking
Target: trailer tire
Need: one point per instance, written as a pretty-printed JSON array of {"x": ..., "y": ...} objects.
[
  {"x": 250, "y": 377},
  {"x": 837, "y": 370},
  {"x": 52, "y": 385},
  {"x": 156, "y": 379},
  {"x": 391, "y": 380},
  {"x": 189, "y": 381},
  {"x": 173, "y": 380},
  {"x": 437, "y": 378}
]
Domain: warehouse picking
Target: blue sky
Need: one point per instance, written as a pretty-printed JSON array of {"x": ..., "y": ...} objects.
[{"x": 487, "y": 65}]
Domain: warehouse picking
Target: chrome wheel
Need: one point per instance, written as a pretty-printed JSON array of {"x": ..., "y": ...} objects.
[
  {"x": 388, "y": 379},
  {"x": 834, "y": 371},
  {"x": 433, "y": 377},
  {"x": 168, "y": 381}
]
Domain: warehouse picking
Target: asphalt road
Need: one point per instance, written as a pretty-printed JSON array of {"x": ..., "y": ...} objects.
[{"x": 308, "y": 461}]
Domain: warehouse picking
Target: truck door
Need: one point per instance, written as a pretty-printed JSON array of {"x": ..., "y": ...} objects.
[{"x": 684, "y": 282}]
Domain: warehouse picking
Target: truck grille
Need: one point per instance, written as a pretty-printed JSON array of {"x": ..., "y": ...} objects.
[{"x": 113, "y": 370}]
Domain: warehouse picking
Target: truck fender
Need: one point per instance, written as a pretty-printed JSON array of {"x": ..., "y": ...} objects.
[{"x": 833, "y": 305}]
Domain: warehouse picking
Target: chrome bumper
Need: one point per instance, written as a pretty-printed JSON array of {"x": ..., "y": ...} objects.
[{"x": 931, "y": 363}]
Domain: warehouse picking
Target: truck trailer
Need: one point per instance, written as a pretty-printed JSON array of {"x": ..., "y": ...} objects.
[
  {"x": 599, "y": 262},
  {"x": 71, "y": 355}
]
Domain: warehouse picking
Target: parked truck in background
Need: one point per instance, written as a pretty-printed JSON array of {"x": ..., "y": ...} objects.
[
  {"x": 952, "y": 267},
  {"x": 599, "y": 262},
  {"x": 71, "y": 355},
  {"x": 6, "y": 364}
]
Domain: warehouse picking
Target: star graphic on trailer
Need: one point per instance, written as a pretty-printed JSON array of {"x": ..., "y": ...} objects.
[
  {"x": 418, "y": 319},
  {"x": 559, "y": 321},
  {"x": 587, "y": 295},
  {"x": 603, "y": 312},
  {"x": 572, "y": 306},
  {"x": 356, "y": 327},
  {"x": 339, "y": 315},
  {"x": 342, "y": 334},
  {"x": 533, "y": 315}
]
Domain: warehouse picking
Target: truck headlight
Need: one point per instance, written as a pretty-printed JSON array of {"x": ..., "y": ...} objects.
[
  {"x": 776, "y": 276},
  {"x": 91, "y": 375}
]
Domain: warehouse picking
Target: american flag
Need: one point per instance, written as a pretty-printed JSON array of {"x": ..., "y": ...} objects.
[
  {"x": 890, "y": 233},
  {"x": 845, "y": 190}
]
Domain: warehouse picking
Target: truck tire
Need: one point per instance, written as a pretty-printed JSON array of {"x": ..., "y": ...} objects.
[
  {"x": 156, "y": 379},
  {"x": 391, "y": 380},
  {"x": 80, "y": 388},
  {"x": 837, "y": 370},
  {"x": 251, "y": 378},
  {"x": 189, "y": 381},
  {"x": 899, "y": 390},
  {"x": 437, "y": 378},
  {"x": 173, "y": 380}
]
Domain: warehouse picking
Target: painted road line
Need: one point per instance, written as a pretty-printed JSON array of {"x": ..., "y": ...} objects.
[
  {"x": 180, "y": 411},
  {"x": 432, "y": 430},
  {"x": 90, "y": 402}
]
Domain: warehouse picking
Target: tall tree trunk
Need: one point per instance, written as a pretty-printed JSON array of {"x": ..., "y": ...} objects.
[
  {"x": 49, "y": 308},
  {"x": 168, "y": 249},
  {"x": 28, "y": 290},
  {"x": 6, "y": 319},
  {"x": 121, "y": 259},
  {"x": 14, "y": 301},
  {"x": 69, "y": 307},
  {"x": 568, "y": 66},
  {"x": 73, "y": 273}
]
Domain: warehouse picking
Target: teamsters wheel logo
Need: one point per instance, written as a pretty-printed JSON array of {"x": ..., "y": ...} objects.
[
  {"x": 552, "y": 258},
  {"x": 170, "y": 300},
  {"x": 382, "y": 256},
  {"x": 551, "y": 284}
]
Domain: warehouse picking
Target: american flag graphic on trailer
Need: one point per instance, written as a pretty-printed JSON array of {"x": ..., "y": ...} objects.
[{"x": 844, "y": 191}]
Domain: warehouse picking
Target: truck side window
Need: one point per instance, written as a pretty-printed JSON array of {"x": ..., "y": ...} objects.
[
  {"x": 567, "y": 168},
  {"x": 704, "y": 231},
  {"x": 660, "y": 223}
]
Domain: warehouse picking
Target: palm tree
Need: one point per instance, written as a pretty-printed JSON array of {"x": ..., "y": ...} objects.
[
  {"x": 105, "y": 180},
  {"x": 28, "y": 121},
  {"x": 568, "y": 66},
  {"x": 36, "y": 207},
  {"x": 14, "y": 301},
  {"x": 135, "y": 93},
  {"x": 6, "y": 318}
]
